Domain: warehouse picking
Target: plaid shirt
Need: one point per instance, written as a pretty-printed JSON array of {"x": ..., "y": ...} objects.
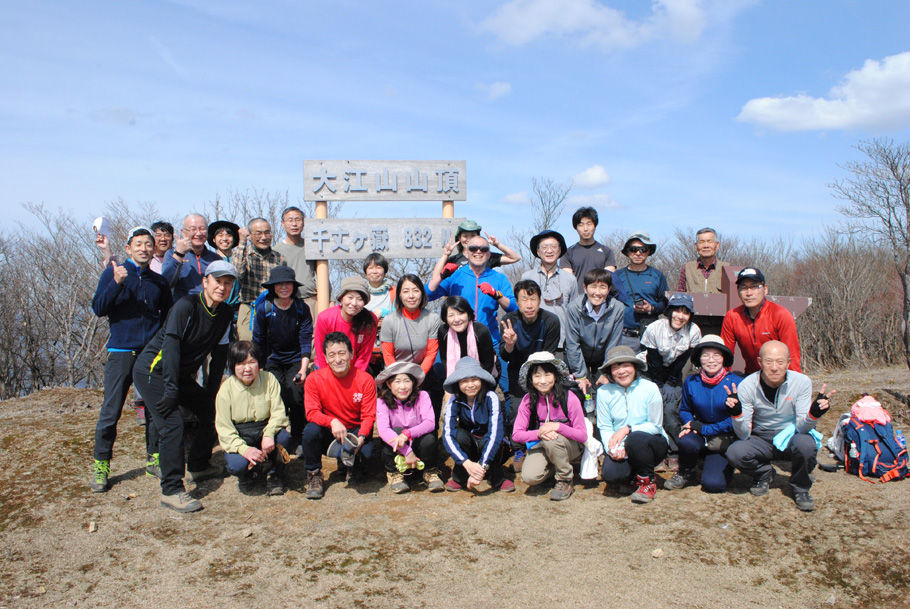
[{"x": 253, "y": 268}]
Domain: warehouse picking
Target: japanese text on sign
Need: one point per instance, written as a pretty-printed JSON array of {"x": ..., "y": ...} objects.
[
  {"x": 385, "y": 180},
  {"x": 344, "y": 239}
]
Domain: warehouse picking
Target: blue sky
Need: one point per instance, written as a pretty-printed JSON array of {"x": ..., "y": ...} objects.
[{"x": 672, "y": 113}]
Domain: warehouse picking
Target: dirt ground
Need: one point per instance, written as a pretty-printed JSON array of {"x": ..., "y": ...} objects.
[{"x": 64, "y": 546}]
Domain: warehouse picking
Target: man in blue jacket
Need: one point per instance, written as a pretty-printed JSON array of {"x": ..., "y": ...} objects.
[
  {"x": 135, "y": 300},
  {"x": 641, "y": 287},
  {"x": 485, "y": 289}
]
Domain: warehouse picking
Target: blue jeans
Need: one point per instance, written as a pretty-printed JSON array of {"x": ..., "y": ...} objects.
[
  {"x": 236, "y": 464},
  {"x": 717, "y": 469}
]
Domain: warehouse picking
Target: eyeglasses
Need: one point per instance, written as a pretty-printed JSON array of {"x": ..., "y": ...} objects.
[
  {"x": 261, "y": 233},
  {"x": 548, "y": 248},
  {"x": 194, "y": 230},
  {"x": 478, "y": 248},
  {"x": 750, "y": 288},
  {"x": 639, "y": 249},
  {"x": 708, "y": 355}
]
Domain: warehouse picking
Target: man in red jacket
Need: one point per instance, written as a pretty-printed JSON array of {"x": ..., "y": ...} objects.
[
  {"x": 757, "y": 321},
  {"x": 340, "y": 403}
]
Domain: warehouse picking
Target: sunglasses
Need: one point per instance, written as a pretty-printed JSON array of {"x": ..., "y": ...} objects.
[
  {"x": 478, "y": 248},
  {"x": 639, "y": 249}
]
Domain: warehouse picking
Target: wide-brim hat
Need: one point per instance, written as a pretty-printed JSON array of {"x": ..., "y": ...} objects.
[
  {"x": 681, "y": 299},
  {"x": 545, "y": 234},
  {"x": 468, "y": 226},
  {"x": 542, "y": 357},
  {"x": 621, "y": 354},
  {"x": 467, "y": 367},
  {"x": 354, "y": 283},
  {"x": 218, "y": 225},
  {"x": 645, "y": 238},
  {"x": 400, "y": 368},
  {"x": 281, "y": 274},
  {"x": 715, "y": 342}
]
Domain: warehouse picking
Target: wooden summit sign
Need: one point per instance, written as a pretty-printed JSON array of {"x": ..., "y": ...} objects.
[
  {"x": 384, "y": 181},
  {"x": 346, "y": 238}
]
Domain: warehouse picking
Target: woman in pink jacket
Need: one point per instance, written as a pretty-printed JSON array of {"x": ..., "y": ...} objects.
[
  {"x": 406, "y": 423},
  {"x": 553, "y": 428}
]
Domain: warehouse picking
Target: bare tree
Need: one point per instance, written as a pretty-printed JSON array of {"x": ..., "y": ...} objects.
[{"x": 877, "y": 198}]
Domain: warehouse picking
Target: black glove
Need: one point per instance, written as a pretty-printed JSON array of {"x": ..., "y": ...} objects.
[
  {"x": 815, "y": 410},
  {"x": 696, "y": 425},
  {"x": 736, "y": 409}
]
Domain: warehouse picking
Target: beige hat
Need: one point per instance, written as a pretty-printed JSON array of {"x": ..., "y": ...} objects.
[
  {"x": 621, "y": 354},
  {"x": 400, "y": 368},
  {"x": 354, "y": 283}
]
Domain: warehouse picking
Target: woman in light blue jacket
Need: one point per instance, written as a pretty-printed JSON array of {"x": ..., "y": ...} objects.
[{"x": 630, "y": 419}]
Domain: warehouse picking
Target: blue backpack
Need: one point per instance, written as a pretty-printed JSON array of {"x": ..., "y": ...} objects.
[{"x": 870, "y": 448}]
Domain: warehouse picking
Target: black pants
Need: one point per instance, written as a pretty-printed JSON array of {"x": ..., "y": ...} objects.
[
  {"x": 672, "y": 398},
  {"x": 643, "y": 451},
  {"x": 473, "y": 448},
  {"x": 426, "y": 447},
  {"x": 169, "y": 422},
  {"x": 753, "y": 457},
  {"x": 316, "y": 440},
  {"x": 118, "y": 376},
  {"x": 292, "y": 396},
  {"x": 214, "y": 373}
]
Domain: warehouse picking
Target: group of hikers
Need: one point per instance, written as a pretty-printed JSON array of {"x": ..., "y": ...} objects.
[{"x": 576, "y": 360}]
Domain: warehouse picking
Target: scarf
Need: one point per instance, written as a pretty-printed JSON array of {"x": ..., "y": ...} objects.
[
  {"x": 712, "y": 381},
  {"x": 453, "y": 353}
]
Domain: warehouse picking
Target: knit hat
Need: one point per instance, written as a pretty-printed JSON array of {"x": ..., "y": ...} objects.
[
  {"x": 715, "y": 342},
  {"x": 621, "y": 354},
  {"x": 544, "y": 234},
  {"x": 281, "y": 274},
  {"x": 218, "y": 225},
  {"x": 354, "y": 283},
  {"x": 400, "y": 368},
  {"x": 645, "y": 238},
  {"x": 467, "y": 367},
  {"x": 542, "y": 357}
]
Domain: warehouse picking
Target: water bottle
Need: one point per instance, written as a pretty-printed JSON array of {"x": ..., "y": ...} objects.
[
  {"x": 899, "y": 437},
  {"x": 854, "y": 453},
  {"x": 589, "y": 403}
]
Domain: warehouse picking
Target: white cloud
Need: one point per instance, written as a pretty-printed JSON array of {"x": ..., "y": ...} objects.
[
  {"x": 516, "y": 197},
  {"x": 592, "y": 177},
  {"x": 875, "y": 96},
  {"x": 592, "y": 23},
  {"x": 599, "y": 201},
  {"x": 494, "y": 90}
]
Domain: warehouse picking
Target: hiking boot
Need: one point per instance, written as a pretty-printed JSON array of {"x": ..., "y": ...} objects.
[
  {"x": 212, "y": 471},
  {"x": 761, "y": 485},
  {"x": 562, "y": 490},
  {"x": 434, "y": 482},
  {"x": 453, "y": 486},
  {"x": 645, "y": 491},
  {"x": 101, "y": 469},
  {"x": 397, "y": 483},
  {"x": 681, "y": 479},
  {"x": 181, "y": 502},
  {"x": 274, "y": 484},
  {"x": 314, "y": 485},
  {"x": 507, "y": 486},
  {"x": 804, "y": 501},
  {"x": 153, "y": 466},
  {"x": 139, "y": 405},
  {"x": 246, "y": 484}
]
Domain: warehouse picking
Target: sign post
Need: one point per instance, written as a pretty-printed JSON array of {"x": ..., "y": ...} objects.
[{"x": 399, "y": 181}]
